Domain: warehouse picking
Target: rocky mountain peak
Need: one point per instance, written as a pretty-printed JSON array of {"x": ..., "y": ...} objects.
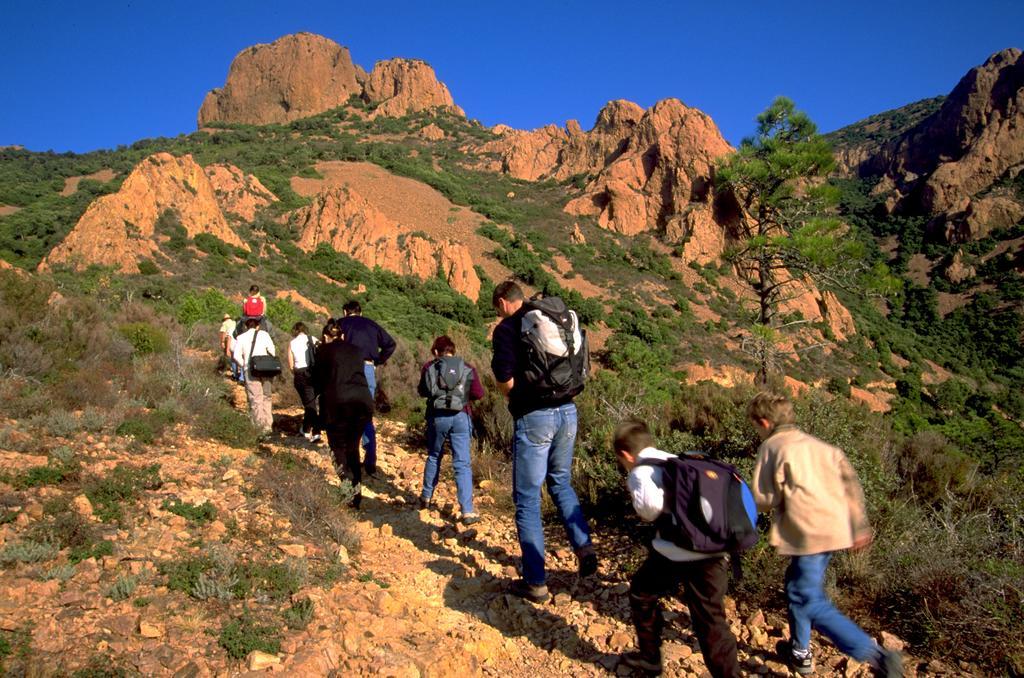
[{"x": 402, "y": 86}]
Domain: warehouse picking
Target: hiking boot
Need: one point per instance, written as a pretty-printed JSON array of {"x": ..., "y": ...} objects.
[
  {"x": 634, "y": 660},
  {"x": 891, "y": 665},
  {"x": 470, "y": 518},
  {"x": 588, "y": 564},
  {"x": 422, "y": 504},
  {"x": 357, "y": 499},
  {"x": 370, "y": 471},
  {"x": 535, "y": 593},
  {"x": 802, "y": 663}
]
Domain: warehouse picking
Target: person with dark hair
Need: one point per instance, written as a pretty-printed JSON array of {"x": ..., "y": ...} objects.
[
  {"x": 817, "y": 508},
  {"x": 703, "y": 576},
  {"x": 376, "y": 346},
  {"x": 449, "y": 384},
  {"x": 258, "y": 390},
  {"x": 301, "y": 358},
  {"x": 542, "y": 450},
  {"x": 345, "y": 403}
]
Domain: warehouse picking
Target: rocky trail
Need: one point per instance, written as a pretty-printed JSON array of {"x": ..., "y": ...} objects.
[{"x": 421, "y": 595}]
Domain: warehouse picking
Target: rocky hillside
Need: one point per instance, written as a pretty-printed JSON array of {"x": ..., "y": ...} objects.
[
  {"x": 214, "y": 561},
  {"x": 956, "y": 165},
  {"x": 300, "y": 75}
]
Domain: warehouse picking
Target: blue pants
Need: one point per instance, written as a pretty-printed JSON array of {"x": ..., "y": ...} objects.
[
  {"x": 456, "y": 428},
  {"x": 542, "y": 449},
  {"x": 369, "y": 439},
  {"x": 809, "y": 607}
]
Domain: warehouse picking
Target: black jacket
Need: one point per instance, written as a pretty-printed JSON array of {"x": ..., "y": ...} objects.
[{"x": 341, "y": 383}]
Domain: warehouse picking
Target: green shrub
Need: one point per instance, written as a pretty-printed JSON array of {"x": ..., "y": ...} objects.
[
  {"x": 244, "y": 634},
  {"x": 123, "y": 484},
  {"x": 27, "y": 551},
  {"x": 299, "y": 614},
  {"x": 145, "y": 338},
  {"x": 122, "y": 588},
  {"x": 208, "y": 306},
  {"x": 219, "y": 421},
  {"x": 196, "y": 513},
  {"x": 147, "y": 267}
]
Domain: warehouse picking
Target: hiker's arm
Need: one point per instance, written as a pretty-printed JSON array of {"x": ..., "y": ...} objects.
[
  {"x": 506, "y": 386},
  {"x": 855, "y": 502},
  {"x": 764, "y": 487},
  {"x": 476, "y": 389},
  {"x": 386, "y": 345},
  {"x": 503, "y": 363},
  {"x": 422, "y": 387},
  {"x": 290, "y": 359},
  {"x": 648, "y": 498}
]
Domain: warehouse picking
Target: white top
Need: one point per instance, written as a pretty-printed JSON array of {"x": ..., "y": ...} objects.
[
  {"x": 228, "y": 326},
  {"x": 243, "y": 344},
  {"x": 648, "y": 495},
  {"x": 298, "y": 346}
]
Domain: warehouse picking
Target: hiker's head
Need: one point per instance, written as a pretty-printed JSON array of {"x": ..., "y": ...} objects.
[
  {"x": 443, "y": 345},
  {"x": 507, "y": 298},
  {"x": 352, "y": 308},
  {"x": 332, "y": 332},
  {"x": 252, "y": 322},
  {"x": 299, "y": 328},
  {"x": 768, "y": 410},
  {"x": 631, "y": 437},
  {"x": 227, "y": 316},
  {"x": 254, "y": 290}
]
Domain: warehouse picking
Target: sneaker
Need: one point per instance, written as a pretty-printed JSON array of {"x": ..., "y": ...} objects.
[
  {"x": 634, "y": 660},
  {"x": 422, "y": 503},
  {"x": 891, "y": 665},
  {"x": 536, "y": 593},
  {"x": 315, "y": 438},
  {"x": 802, "y": 664},
  {"x": 588, "y": 564},
  {"x": 470, "y": 518}
]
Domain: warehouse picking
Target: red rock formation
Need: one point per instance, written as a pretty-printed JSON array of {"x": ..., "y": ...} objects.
[
  {"x": 293, "y": 77},
  {"x": 344, "y": 220},
  {"x": 403, "y": 86},
  {"x": 118, "y": 229},
  {"x": 556, "y": 153},
  {"x": 238, "y": 193},
  {"x": 941, "y": 166},
  {"x": 661, "y": 177}
]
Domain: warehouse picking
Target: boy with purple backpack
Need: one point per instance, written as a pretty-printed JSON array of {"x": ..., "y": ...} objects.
[{"x": 656, "y": 482}]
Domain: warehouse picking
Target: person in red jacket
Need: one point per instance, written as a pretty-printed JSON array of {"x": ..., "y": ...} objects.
[{"x": 449, "y": 384}]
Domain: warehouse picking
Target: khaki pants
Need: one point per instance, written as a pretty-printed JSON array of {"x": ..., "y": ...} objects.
[{"x": 259, "y": 392}]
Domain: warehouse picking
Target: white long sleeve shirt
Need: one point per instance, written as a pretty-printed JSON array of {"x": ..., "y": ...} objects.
[
  {"x": 646, "y": 490},
  {"x": 244, "y": 345}
]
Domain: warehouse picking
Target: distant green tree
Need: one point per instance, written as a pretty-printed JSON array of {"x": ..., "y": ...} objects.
[{"x": 790, "y": 230}]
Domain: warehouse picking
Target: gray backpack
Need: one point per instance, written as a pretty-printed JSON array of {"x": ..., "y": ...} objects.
[{"x": 448, "y": 384}]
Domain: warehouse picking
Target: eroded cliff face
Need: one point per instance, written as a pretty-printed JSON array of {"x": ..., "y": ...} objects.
[
  {"x": 344, "y": 220},
  {"x": 119, "y": 229},
  {"x": 294, "y": 77},
  {"x": 300, "y": 75},
  {"x": 952, "y": 165}
]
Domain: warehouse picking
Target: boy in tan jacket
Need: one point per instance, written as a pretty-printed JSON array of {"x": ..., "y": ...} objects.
[{"x": 818, "y": 508}]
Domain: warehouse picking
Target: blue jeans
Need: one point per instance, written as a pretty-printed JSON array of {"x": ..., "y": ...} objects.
[
  {"x": 810, "y": 607},
  {"x": 455, "y": 428},
  {"x": 542, "y": 448},
  {"x": 370, "y": 432}
]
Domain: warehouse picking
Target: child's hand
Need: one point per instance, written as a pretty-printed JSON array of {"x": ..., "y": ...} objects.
[{"x": 862, "y": 541}]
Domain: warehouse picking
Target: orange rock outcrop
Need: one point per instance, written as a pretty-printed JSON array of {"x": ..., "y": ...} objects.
[
  {"x": 118, "y": 229},
  {"x": 343, "y": 219},
  {"x": 294, "y": 77},
  {"x": 943, "y": 165},
  {"x": 238, "y": 193},
  {"x": 403, "y": 86}
]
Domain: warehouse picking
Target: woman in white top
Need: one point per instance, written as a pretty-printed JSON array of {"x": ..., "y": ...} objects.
[
  {"x": 258, "y": 390},
  {"x": 301, "y": 355}
]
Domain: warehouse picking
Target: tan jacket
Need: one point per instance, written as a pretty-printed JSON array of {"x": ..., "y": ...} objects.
[{"x": 812, "y": 489}]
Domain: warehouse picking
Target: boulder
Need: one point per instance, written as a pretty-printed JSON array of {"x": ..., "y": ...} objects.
[{"x": 238, "y": 193}]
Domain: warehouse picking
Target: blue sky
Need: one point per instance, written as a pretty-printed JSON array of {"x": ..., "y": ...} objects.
[{"x": 86, "y": 75}]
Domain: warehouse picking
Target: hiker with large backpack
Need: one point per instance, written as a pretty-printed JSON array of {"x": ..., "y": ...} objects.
[
  {"x": 817, "y": 507},
  {"x": 541, "y": 361},
  {"x": 301, "y": 358},
  {"x": 255, "y": 353},
  {"x": 704, "y": 516},
  {"x": 449, "y": 384}
]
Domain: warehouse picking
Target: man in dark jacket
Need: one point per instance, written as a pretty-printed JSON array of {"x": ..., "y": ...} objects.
[
  {"x": 375, "y": 346},
  {"x": 345, "y": 403},
  {"x": 544, "y": 435}
]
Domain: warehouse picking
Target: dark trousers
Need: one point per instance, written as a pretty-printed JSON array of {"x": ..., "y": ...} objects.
[
  {"x": 704, "y": 583},
  {"x": 343, "y": 438},
  {"x": 302, "y": 378}
]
